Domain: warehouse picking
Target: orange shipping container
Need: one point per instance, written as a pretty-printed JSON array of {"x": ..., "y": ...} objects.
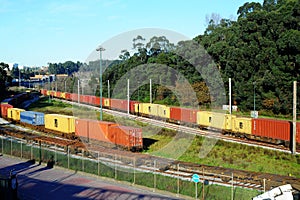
[
  {"x": 93, "y": 129},
  {"x": 270, "y": 128},
  {"x": 298, "y": 132},
  {"x": 125, "y": 136}
]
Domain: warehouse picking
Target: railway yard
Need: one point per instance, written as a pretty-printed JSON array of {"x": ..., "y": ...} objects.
[{"x": 146, "y": 163}]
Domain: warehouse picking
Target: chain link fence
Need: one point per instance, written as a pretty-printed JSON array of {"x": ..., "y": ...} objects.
[{"x": 135, "y": 171}]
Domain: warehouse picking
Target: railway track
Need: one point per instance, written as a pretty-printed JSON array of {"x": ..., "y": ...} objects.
[
  {"x": 190, "y": 130},
  {"x": 157, "y": 165}
]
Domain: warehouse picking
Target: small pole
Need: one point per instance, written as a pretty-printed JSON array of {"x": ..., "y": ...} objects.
[
  {"x": 82, "y": 160},
  {"x": 128, "y": 97},
  {"x": 264, "y": 185},
  {"x": 154, "y": 184},
  {"x": 78, "y": 91},
  {"x": 196, "y": 191},
  {"x": 31, "y": 152},
  {"x": 150, "y": 91},
  {"x": 178, "y": 180},
  {"x": 294, "y": 118},
  {"x": 40, "y": 150},
  {"x": 65, "y": 86},
  {"x": 232, "y": 186},
  {"x": 21, "y": 150},
  {"x": 55, "y": 157},
  {"x": 230, "y": 108},
  {"x": 203, "y": 183},
  {"x": 134, "y": 170},
  {"x": 2, "y": 147},
  {"x": 115, "y": 167},
  {"x": 108, "y": 89},
  {"x": 68, "y": 157},
  {"x": 98, "y": 164},
  {"x": 11, "y": 146}
]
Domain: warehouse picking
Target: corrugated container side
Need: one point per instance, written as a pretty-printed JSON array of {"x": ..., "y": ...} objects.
[
  {"x": 14, "y": 113},
  {"x": 204, "y": 118},
  {"x": 163, "y": 111},
  {"x": 4, "y": 108},
  {"x": 33, "y": 118},
  {"x": 189, "y": 115},
  {"x": 63, "y": 95},
  {"x": 58, "y": 94},
  {"x": 74, "y": 97},
  {"x": 81, "y": 128},
  {"x": 132, "y": 106},
  {"x": 298, "y": 132},
  {"x": 61, "y": 123},
  {"x": 242, "y": 125},
  {"x": 118, "y": 104},
  {"x": 176, "y": 114},
  {"x": 68, "y": 96},
  {"x": 99, "y": 130},
  {"x": 107, "y": 102},
  {"x": 126, "y": 136},
  {"x": 269, "y": 128},
  {"x": 98, "y": 101},
  {"x": 92, "y": 100}
]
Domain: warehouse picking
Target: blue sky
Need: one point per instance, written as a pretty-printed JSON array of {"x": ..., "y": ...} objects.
[{"x": 35, "y": 32}]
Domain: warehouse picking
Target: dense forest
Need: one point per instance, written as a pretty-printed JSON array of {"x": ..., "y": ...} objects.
[{"x": 260, "y": 52}]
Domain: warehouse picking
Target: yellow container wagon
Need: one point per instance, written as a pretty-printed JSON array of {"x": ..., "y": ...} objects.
[
  {"x": 63, "y": 95},
  {"x": 48, "y": 92},
  {"x": 242, "y": 125},
  {"x": 204, "y": 119},
  {"x": 60, "y": 123},
  {"x": 14, "y": 113},
  {"x": 107, "y": 103},
  {"x": 222, "y": 121},
  {"x": 163, "y": 111}
]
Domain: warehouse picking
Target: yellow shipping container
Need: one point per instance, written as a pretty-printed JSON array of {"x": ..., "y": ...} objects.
[
  {"x": 242, "y": 125},
  {"x": 63, "y": 95},
  {"x": 222, "y": 121},
  {"x": 48, "y": 92},
  {"x": 204, "y": 118},
  {"x": 107, "y": 102},
  {"x": 163, "y": 111},
  {"x": 61, "y": 123},
  {"x": 14, "y": 113}
]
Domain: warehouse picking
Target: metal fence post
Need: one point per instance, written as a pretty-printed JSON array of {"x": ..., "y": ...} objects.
[
  {"x": 203, "y": 184},
  {"x": 154, "y": 181},
  {"x": 82, "y": 151},
  {"x": 115, "y": 167},
  {"x": 232, "y": 186},
  {"x": 55, "y": 156},
  {"x": 11, "y": 146},
  {"x": 21, "y": 150},
  {"x": 31, "y": 152},
  {"x": 134, "y": 161},
  {"x": 264, "y": 185},
  {"x": 68, "y": 157},
  {"x": 177, "y": 180},
  {"x": 98, "y": 164}
]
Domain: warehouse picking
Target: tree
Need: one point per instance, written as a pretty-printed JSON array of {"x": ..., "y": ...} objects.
[{"x": 3, "y": 77}]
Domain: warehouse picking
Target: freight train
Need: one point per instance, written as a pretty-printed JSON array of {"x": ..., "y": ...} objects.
[
  {"x": 262, "y": 129},
  {"x": 107, "y": 133}
]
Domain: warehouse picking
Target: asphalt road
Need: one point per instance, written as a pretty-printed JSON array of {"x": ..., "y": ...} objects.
[{"x": 37, "y": 182}]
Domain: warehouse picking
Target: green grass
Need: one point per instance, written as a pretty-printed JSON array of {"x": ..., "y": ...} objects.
[
  {"x": 167, "y": 143},
  {"x": 231, "y": 155}
]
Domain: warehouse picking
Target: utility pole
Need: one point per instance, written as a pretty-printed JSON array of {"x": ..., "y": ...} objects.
[
  {"x": 128, "y": 97},
  {"x": 78, "y": 92},
  {"x": 150, "y": 91},
  {"x": 294, "y": 118},
  {"x": 108, "y": 92},
  {"x": 230, "y": 107}
]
